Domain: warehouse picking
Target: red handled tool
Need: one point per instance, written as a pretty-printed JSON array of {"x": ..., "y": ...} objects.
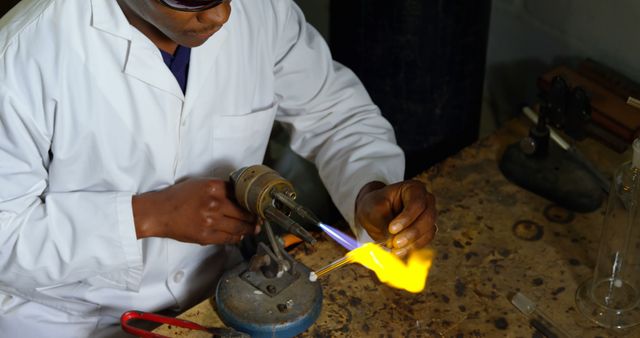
[{"x": 154, "y": 318}]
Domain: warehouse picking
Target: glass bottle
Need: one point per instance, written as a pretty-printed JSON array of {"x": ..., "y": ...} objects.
[{"x": 611, "y": 298}]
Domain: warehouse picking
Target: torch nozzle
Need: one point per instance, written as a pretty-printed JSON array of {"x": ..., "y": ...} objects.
[
  {"x": 288, "y": 224},
  {"x": 295, "y": 207}
]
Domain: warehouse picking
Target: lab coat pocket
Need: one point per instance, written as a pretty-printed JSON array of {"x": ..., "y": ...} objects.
[{"x": 241, "y": 140}]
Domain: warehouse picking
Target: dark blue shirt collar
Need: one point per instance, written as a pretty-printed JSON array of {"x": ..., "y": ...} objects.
[{"x": 178, "y": 63}]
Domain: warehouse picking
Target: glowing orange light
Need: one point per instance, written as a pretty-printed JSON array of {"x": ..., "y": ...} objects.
[{"x": 391, "y": 270}]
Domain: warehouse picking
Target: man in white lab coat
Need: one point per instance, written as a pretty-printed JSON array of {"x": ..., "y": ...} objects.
[{"x": 120, "y": 122}]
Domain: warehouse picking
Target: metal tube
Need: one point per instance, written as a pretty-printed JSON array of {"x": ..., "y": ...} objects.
[
  {"x": 554, "y": 135},
  {"x": 273, "y": 240},
  {"x": 288, "y": 224},
  {"x": 295, "y": 207}
]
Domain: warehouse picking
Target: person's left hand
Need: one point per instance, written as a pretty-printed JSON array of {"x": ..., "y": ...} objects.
[{"x": 402, "y": 214}]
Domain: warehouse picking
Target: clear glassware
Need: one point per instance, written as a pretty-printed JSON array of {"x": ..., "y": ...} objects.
[{"x": 611, "y": 298}]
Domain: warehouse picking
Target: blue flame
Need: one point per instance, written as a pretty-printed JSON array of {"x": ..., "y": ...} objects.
[{"x": 343, "y": 239}]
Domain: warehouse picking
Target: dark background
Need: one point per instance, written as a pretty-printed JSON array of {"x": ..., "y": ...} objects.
[
  {"x": 422, "y": 63},
  {"x": 5, "y": 5}
]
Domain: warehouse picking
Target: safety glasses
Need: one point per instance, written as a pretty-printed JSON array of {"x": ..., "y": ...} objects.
[{"x": 191, "y": 5}]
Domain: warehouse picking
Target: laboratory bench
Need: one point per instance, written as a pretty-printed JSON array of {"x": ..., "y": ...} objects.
[{"x": 494, "y": 239}]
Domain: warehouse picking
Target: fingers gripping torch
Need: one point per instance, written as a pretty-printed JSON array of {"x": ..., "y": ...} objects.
[{"x": 271, "y": 294}]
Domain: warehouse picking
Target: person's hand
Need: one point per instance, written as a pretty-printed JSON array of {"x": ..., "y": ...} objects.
[
  {"x": 402, "y": 214},
  {"x": 199, "y": 211}
]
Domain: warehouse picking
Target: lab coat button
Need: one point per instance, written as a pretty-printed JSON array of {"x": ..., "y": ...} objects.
[{"x": 177, "y": 277}]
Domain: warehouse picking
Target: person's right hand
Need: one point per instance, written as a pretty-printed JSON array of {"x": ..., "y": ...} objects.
[{"x": 201, "y": 211}]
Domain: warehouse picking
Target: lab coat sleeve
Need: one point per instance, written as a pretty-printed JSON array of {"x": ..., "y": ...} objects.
[
  {"x": 332, "y": 120},
  {"x": 50, "y": 238}
]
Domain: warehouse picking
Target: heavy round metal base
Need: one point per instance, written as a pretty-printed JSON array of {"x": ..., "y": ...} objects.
[
  {"x": 623, "y": 310},
  {"x": 275, "y": 308}
]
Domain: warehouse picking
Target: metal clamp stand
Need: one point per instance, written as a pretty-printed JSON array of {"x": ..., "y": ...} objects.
[
  {"x": 554, "y": 170},
  {"x": 271, "y": 270}
]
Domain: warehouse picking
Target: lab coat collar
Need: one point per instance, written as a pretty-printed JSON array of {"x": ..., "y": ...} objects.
[
  {"x": 107, "y": 16},
  {"x": 201, "y": 66},
  {"x": 144, "y": 60},
  {"x": 145, "y": 63}
]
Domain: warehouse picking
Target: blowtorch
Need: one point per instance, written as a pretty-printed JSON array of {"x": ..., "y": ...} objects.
[
  {"x": 271, "y": 295},
  {"x": 268, "y": 195}
]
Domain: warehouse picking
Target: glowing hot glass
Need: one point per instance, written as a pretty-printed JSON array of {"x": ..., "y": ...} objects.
[{"x": 391, "y": 270}]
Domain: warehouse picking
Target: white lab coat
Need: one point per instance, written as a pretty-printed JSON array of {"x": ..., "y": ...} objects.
[{"x": 90, "y": 116}]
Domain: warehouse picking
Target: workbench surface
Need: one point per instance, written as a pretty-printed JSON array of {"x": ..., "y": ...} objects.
[{"x": 480, "y": 260}]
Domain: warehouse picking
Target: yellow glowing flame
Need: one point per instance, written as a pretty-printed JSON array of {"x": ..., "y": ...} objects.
[{"x": 391, "y": 270}]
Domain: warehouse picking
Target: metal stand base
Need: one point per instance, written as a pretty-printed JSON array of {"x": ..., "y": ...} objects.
[
  {"x": 555, "y": 176},
  {"x": 284, "y": 309}
]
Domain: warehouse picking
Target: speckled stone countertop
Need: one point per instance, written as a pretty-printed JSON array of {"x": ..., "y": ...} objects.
[{"x": 494, "y": 239}]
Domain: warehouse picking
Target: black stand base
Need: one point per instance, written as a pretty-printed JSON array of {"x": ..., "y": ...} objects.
[{"x": 556, "y": 176}]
